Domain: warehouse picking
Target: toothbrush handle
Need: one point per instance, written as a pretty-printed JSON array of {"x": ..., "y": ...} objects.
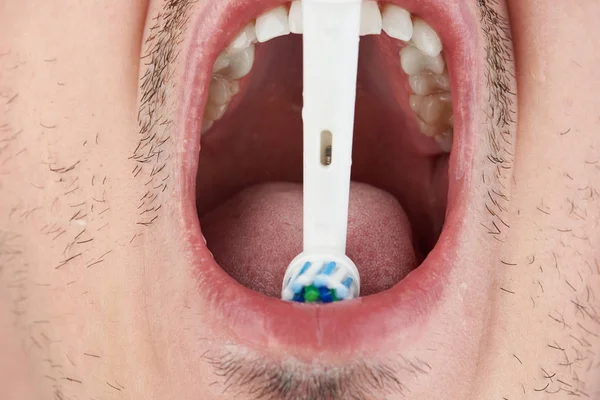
[{"x": 330, "y": 43}]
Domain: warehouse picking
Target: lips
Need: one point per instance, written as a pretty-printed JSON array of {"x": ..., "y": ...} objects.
[{"x": 429, "y": 296}]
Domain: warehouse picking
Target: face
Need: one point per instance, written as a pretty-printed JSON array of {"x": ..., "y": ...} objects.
[{"x": 132, "y": 131}]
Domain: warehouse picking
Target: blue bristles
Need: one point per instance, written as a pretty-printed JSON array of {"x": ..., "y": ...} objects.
[
  {"x": 322, "y": 278},
  {"x": 347, "y": 282},
  {"x": 343, "y": 290},
  {"x": 325, "y": 295},
  {"x": 318, "y": 282},
  {"x": 329, "y": 268},
  {"x": 297, "y": 286},
  {"x": 305, "y": 267},
  {"x": 299, "y": 298}
]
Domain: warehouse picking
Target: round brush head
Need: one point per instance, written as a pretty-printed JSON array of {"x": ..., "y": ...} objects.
[{"x": 320, "y": 277}]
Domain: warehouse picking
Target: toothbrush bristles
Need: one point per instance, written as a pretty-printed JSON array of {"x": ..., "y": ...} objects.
[{"x": 318, "y": 283}]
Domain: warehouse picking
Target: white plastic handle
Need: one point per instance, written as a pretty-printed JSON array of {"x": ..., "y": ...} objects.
[{"x": 330, "y": 43}]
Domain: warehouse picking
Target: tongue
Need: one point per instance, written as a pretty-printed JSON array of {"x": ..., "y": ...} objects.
[{"x": 256, "y": 234}]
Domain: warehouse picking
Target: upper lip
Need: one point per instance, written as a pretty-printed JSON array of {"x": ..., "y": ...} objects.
[{"x": 256, "y": 320}]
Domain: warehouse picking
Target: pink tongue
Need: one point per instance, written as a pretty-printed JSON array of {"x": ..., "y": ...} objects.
[{"x": 256, "y": 234}]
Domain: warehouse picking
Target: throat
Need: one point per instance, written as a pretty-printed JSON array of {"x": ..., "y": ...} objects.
[{"x": 255, "y": 235}]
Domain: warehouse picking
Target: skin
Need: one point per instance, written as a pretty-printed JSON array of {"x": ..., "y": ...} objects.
[{"x": 87, "y": 293}]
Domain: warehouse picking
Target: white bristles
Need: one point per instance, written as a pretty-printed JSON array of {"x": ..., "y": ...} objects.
[
  {"x": 308, "y": 277},
  {"x": 296, "y": 280}
]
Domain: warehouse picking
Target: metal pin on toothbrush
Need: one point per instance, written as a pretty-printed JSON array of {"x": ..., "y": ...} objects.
[{"x": 323, "y": 273}]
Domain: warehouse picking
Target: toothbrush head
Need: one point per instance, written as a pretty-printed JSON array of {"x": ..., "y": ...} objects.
[{"x": 320, "y": 278}]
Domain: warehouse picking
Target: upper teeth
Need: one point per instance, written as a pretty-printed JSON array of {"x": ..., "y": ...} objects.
[
  {"x": 295, "y": 17},
  {"x": 397, "y": 22},
  {"x": 415, "y": 62},
  {"x": 241, "y": 63},
  {"x": 221, "y": 90},
  {"x": 432, "y": 109},
  {"x": 425, "y": 83},
  {"x": 244, "y": 39},
  {"x": 272, "y": 24},
  {"x": 426, "y": 39},
  {"x": 370, "y": 21},
  {"x": 421, "y": 60}
]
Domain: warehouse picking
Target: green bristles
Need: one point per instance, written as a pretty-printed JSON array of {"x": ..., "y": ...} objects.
[{"x": 311, "y": 294}]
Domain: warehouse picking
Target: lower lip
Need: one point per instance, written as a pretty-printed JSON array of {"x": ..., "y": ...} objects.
[
  {"x": 256, "y": 320},
  {"x": 250, "y": 318}
]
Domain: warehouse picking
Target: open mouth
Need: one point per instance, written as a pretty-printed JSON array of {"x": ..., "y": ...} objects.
[
  {"x": 253, "y": 130},
  {"x": 412, "y": 149}
]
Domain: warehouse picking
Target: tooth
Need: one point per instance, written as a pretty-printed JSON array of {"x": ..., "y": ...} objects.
[
  {"x": 206, "y": 125},
  {"x": 430, "y": 130},
  {"x": 426, "y": 39},
  {"x": 414, "y": 61},
  {"x": 241, "y": 64},
  {"x": 214, "y": 112},
  {"x": 397, "y": 22},
  {"x": 370, "y": 18},
  {"x": 219, "y": 91},
  {"x": 245, "y": 38},
  {"x": 415, "y": 102},
  {"x": 295, "y": 17},
  {"x": 221, "y": 62},
  {"x": 272, "y": 24},
  {"x": 429, "y": 83},
  {"x": 234, "y": 87},
  {"x": 433, "y": 109},
  {"x": 444, "y": 140}
]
